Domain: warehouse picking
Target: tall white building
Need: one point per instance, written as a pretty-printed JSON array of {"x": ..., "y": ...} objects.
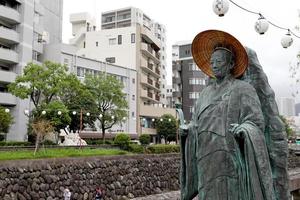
[
  {"x": 25, "y": 26},
  {"x": 131, "y": 39},
  {"x": 286, "y": 106}
]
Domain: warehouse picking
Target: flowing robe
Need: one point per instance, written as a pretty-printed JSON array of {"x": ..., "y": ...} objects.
[{"x": 216, "y": 165}]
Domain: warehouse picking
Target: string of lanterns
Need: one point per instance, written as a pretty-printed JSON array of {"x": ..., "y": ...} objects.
[{"x": 221, "y": 7}]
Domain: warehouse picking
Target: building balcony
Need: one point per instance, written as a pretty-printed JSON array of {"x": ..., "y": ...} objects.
[
  {"x": 157, "y": 71},
  {"x": 157, "y": 97},
  {"x": 7, "y": 76},
  {"x": 157, "y": 85},
  {"x": 38, "y": 46},
  {"x": 7, "y": 99},
  {"x": 10, "y": 15},
  {"x": 176, "y": 67},
  {"x": 149, "y": 83},
  {"x": 149, "y": 52},
  {"x": 8, "y": 56},
  {"x": 176, "y": 80},
  {"x": 9, "y": 36},
  {"x": 176, "y": 94},
  {"x": 149, "y": 36},
  {"x": 155, "y": 111},
  {"x": 149, "y": 96},
  {"x": 149, "y": 68}
]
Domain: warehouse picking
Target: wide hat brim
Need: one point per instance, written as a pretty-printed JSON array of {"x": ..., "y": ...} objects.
[{"x": 204, "y": 44}]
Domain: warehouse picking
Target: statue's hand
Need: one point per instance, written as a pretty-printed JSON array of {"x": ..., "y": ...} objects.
[
  {"x": 183, "y": 130},
  {"x": 237, "y": 130}
]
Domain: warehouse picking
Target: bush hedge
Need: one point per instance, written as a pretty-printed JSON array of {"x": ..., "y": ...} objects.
[
  {"x": 122, "y": 140},
  {"x": 163, "y": 148},
  {"x": 135, "y": 148},
  {"x": 98, "y": 141},
  {"x": 3, "y": 143},
  {"x": 144, "y": 139}
]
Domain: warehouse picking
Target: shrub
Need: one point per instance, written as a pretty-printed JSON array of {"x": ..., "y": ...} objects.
[
  {"x": 135, "y": 148},
  {"x": 163, "y": 148},
  {"x": 48, "y": 142},
  {"x": 122, "y": 140},
  {"x": 145, "y": 139},
  {"x": 98, "y": 141},
  {"x": 3, "y": 143}
]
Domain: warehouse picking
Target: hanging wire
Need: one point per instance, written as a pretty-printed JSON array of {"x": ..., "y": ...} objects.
[{"x": 257, "y": 13}]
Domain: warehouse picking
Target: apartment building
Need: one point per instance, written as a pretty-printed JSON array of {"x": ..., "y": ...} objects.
[
  {"x": 188, "y": 80},
  {"x": 286, "y": 106},
  {"x": 25, "y": 26},
  {"x": 67, "y": 55},
  {"x": 131, "y": 39}
]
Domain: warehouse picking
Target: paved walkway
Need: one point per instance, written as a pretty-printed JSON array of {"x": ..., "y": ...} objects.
[{"x": 174, "y": 195}]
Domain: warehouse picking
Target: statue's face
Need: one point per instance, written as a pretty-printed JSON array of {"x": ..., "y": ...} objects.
[{"x": 221, "y": 63}]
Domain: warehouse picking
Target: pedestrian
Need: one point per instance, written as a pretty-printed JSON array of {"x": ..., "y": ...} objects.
[
  {"x": 67, "y": 194},
  {"x": 99, "y": 193}
]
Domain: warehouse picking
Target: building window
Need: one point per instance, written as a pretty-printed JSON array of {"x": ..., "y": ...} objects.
[
  {"x": 133, "y": 97},
  {"x": 197, "y": 81},
  {"x": 194, "y": 95},
  {"x": 133, "y": 80},
  {"x": 193, "y": 67},
  {"x": 191, "y": 109},
  {"x": 187, "y": 52},
  {"x": 119, "y": 39},
  {"x": 97, "y": 44},
  {"x": 112, "y": 41},
  {"x": 163, "y": 96},
  {"x": 83, "y": 44},
  {"x": 110, "y": 59},
  {"x": 132, "y": 37},
  {"x": 132, "y": 114}
]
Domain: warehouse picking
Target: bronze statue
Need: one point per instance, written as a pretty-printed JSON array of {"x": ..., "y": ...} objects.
[{"x": 224, "y": 150}]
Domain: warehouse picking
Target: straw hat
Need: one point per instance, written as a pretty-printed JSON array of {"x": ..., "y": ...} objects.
[{"x": 204, "y": 44}]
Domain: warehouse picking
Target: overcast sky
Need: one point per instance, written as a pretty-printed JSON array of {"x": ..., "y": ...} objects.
[{"x": 184, "y": 19}]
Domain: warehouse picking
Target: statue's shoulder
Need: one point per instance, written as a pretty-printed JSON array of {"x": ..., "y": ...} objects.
[{"x": 242, "y": 85}]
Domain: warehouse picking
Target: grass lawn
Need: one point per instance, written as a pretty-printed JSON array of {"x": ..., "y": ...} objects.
[{"x": 58, "y": 153}]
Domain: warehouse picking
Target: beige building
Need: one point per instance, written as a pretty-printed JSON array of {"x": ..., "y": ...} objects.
[{"x": 131, "y": 39}]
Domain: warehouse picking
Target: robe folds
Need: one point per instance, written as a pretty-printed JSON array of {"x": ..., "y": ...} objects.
[{"x": 216, "y": 164}]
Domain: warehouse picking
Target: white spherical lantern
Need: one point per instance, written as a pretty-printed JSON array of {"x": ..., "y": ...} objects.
[
  {"x": 88, "y": 114},
  {"x": 59, "y": 112},
  {"x": 261, "y": 25},
  {"x": 153, "y": 119},
  {"x": 74, "y": 112},
  {"x": 220, "y": 7},
  {"x": 43, "y": 112},
  {"x": 286, "y": 40},
  {"x": 7, "y": 110}
]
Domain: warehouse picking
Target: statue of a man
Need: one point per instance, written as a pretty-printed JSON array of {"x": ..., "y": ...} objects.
[{"x": 224, "y": 152}]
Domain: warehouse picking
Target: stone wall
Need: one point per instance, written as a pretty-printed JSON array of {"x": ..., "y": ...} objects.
[{"x": 122, "y": 177}]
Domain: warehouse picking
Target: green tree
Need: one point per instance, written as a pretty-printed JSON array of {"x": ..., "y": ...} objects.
[
  {"x": 122, "y": 140},
  {"x": 166, "y": 127},
  {"x": 77, "y": 97},
  {"x": 56, "y": 113},
  {"x": 40, "y": 83},
  {"x": 289, "y": 131},
  {"x": 144, "y": 139},
  {"x": 110, "y": 100},
  {"x": 5, "y": 120}
]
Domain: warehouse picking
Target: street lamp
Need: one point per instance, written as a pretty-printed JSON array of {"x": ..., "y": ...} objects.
[
  {"x": 7, "y": 110},
  {"x": 74, "y": 112},
  {"x": 59, "y": 112},
  {"x": 170, "y": 119},
  {"x": 43, "y": 112}
]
